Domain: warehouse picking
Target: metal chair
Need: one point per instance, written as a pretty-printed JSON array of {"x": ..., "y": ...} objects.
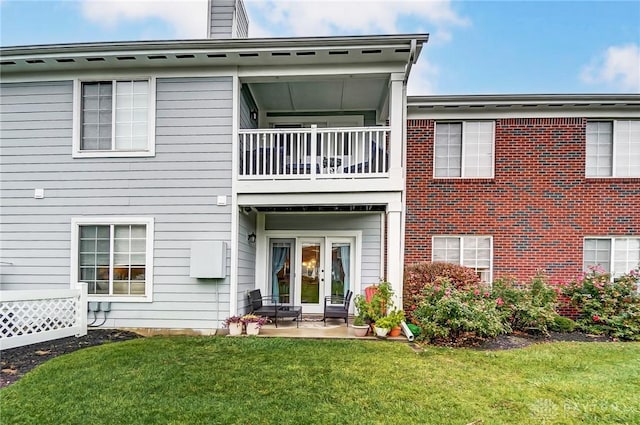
[{"x": 337, "y": 311}]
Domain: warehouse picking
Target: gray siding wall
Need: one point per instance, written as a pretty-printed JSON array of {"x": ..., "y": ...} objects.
[
  {"x": 247, "y": 104},
  {"x": 178, "y": 187},
  {"x": 246, "y": 260},
  {"x": 35, "y": 137},
  {"x": 222, "y": 15},
  {"x": 369, "y": 224}
]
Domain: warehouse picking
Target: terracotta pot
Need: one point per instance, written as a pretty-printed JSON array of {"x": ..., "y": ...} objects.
[{"x": 395, "y": 331}]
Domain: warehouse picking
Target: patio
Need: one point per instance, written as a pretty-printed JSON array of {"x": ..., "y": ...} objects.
[{"x": 313, "y": 327}]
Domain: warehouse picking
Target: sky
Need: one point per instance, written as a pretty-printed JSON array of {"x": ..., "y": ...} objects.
[{"x": 475, "y": 46}]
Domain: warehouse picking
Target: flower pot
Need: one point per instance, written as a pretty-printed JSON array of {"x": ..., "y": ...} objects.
[
  {"x": 360, "y": 330},
  {"x": 253, "y": 328},
  {"x": 235, "y": 329},
  {"x": 396, "y": 331},
  {"x": 381, "y": 332}
]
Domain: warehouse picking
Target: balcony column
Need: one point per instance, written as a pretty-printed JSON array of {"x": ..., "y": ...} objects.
[
  {"x": 394, "y": 250},
  {"x": 396, "y": 122}
]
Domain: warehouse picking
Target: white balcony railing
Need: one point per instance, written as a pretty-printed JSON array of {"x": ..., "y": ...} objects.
[{"x": 309, "y": 153}]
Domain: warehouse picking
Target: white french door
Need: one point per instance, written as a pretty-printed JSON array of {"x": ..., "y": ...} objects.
[{"x": 324, "y": 268}]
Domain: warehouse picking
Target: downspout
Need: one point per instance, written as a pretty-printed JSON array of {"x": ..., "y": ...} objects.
[{"x": 403, "y": 200}]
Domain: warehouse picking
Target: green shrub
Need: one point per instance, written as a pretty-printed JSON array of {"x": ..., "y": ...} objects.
[
  {"x": 448, "y": 312},
  {"x": 530, "y": 307},
  {"x": 420, "y": 275},
  {"x": 607, "y": 307},
  {"x": 563, "y": 324}
]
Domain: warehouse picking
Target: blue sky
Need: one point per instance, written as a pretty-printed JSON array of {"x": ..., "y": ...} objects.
[{"x": 475, "y": 46}]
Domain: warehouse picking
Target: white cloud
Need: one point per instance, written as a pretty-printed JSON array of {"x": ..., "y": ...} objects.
[
  {"x": 188, "y": 18},
  {"x": 422, "y": 80},
  {"x": 348, "y": 17},
  {"x": 617, "y": 68},
  {"x": 269, "y": 18}
]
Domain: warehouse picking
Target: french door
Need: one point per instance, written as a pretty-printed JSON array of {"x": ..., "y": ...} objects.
[{"x": 305, "y": 270}]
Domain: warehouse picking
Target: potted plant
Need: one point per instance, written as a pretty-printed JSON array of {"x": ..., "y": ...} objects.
[
  {"x": 234, "y": 324},
  {"x": 383, "y": 326},
  {"x": 396, "y": 317},
  {"x": 253, "y": 323},
  {"x": 360, "y": 327}
]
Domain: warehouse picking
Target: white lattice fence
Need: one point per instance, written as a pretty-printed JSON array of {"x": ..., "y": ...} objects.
[{"x": 27, "y": 317}]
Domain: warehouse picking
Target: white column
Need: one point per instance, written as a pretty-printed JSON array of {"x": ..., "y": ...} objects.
[
  {"x": 396, "y": 121},
  {"x": 394, "y": 253}
]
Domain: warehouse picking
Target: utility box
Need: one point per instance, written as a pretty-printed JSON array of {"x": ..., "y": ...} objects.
[{"x": 208, "y": 260}]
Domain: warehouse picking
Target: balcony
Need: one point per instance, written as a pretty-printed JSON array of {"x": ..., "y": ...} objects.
[{"x": 314, "y": 153}]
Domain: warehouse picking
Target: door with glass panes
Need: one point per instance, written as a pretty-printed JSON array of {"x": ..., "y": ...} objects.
[{"x": 306, "y": 270}]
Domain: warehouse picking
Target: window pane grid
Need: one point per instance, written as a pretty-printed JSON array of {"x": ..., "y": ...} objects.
[
  {"x": 597, "y": 252},
  {"x": 94, "y": 258},
  {"x": 113, "y": 256},
  {"x": 478, "y": 149},
  {"x": 627, "y": 148},
  {"x": 448, "y": 150},
  {"x": 464, "y": 149},
  {"x": 114, "y": 115},
  {"x": 96, "y": 116},
  {"x": 131, "y": 115},
  {"x": 626, "y": 255},
  {"x": 599, "y": 148},
  {"x": 470, "y": 251}
]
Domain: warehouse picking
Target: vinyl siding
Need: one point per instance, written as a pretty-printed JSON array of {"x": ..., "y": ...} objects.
[
  {"x": 178, "y": 187},
  {"x": 221, "y": 18},
  {"x": 247, "y": 104},
  {"x": 246, "y": 260},
  {"x": 369, "y": 224}
]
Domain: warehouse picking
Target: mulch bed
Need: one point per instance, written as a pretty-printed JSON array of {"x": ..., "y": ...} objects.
[{"x": 15, "y": 362}]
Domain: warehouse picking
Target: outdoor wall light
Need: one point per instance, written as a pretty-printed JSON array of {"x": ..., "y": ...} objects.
[
  {"x": 254, "y": 115},
  {"x": 251, "y": 238}
]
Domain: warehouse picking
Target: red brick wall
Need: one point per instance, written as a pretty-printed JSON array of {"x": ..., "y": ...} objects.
[{"x": 538, "y": 208}]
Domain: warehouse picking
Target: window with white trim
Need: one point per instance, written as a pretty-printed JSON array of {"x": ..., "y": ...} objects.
[
  {"x": 115, "y": 118},
  {"x": 613, "y": 148},
  {"x": 470, "y": 251},
  {"x": 114, "y": 256},
  {"x": 464, "y": 149},
  {"x": 615, "y": 255}
]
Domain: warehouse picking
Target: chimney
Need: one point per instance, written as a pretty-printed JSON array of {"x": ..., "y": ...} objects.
[{"x": 227, "y": 19}]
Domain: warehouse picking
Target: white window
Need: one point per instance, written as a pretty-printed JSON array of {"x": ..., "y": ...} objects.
[
  {"x": 615, "y": 255},
  {"x": 470, "y": 251},
  {"x": 114, "y": 118},
  {"x": 114, "y": 256},
  {"x": 613, "y": 149},
  {"x": 464, "y": 149}
]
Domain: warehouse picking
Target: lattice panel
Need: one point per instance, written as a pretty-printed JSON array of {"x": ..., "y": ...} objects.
[{"x": 29, "y": 317}]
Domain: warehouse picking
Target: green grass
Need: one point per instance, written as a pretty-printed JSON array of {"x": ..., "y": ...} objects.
[{"x": 188, "y": 380}]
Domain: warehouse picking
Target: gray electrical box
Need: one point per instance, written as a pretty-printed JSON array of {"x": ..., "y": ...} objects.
[{"x": 208, "y": 260}]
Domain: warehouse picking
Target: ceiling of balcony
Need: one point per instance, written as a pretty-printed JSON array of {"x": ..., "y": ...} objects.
[{"x": 339, "y": 94}]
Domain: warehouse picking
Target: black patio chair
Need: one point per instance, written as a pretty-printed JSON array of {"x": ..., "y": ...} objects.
[
  {"x": 263, "y": 306},
  {"x": 337, "y": 311}
]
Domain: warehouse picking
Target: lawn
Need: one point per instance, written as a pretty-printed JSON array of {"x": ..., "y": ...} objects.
[{"x": 218, "y": 380}]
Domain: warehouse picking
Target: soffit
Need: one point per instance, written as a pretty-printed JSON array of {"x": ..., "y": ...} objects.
[
  {"x": 330, "y": 95},
  {"x": 212, "y": 53}
]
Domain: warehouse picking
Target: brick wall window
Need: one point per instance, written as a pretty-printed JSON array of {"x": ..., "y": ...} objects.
[
  {"x": 470, "y": 251},
  {"x": 613, "y": 148},
  {"x": 464, "y": 149},
  {"x": 615, "y": 255}
]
